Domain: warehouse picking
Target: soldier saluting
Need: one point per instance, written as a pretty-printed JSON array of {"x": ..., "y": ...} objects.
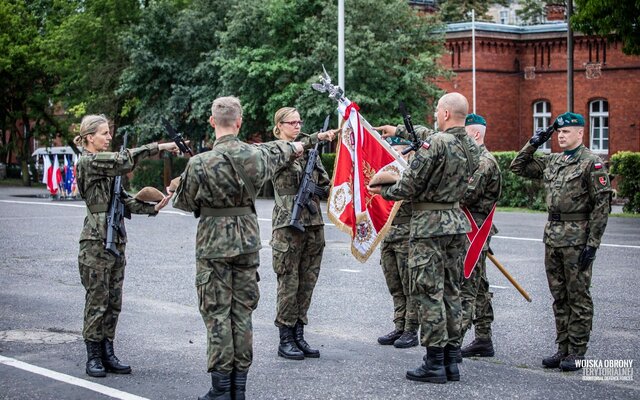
[
  {"x": 102, "y": 272},
  {"x": 220, "y": 186},
  {"x": 578, "y": 200}
]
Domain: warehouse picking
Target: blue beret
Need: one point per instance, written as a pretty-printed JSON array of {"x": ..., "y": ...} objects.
[
  {"x": 396, "y": 141},
  {"x": 569, "y": 119},
  {"x": 474, "y": 119}
]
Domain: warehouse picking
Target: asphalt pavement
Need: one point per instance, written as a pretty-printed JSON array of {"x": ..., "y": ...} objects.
[{"x": 161, "y": 334}]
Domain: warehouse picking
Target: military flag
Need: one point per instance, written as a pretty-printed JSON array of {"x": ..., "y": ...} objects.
[{"x": 361, "y": 153}]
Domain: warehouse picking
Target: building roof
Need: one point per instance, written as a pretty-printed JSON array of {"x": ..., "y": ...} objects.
[{"x": 493, "y": 27}]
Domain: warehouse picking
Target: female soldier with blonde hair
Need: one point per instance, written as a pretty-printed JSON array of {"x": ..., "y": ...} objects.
[
  {"x": 102, "y": 273},
  {"x": 296, "y": 255}
]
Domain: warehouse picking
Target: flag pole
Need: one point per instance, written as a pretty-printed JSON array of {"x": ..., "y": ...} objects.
[
  {"x": 341, "y": 44},
  {"x": 473, "y": 56},
  {"x": 508, "y": 276}
]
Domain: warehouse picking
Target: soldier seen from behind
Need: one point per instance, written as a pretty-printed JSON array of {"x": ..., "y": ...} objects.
[
  {"x": 296, "y": 255},
  {"x": 101, "y": 272},
  {"x": 435, "y": 182},
  {"x": 482, "y": 194},
  {"x": 578, "y": 195},
  {"x": 220, "y": 188}
]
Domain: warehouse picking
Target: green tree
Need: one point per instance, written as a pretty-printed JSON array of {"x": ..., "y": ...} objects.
[
  {"x": 171, "y": 72},
  {"x": 273, "y": 50},
  {"x": 25, "y": 81},
  {"x": 532, "y": 12},
  {"x": 617, "y": 19},
  {"x": 460, "y": 10},
  {"x": 83, "y": 47}
]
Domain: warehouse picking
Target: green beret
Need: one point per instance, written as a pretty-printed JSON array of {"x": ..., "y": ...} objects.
[
  {"x": 568, "y": 119},
  {"x": 396, "y": 141},
  {"x": 474, "y": 119}
]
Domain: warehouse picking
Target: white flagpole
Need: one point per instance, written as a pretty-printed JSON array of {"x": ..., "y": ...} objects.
[
  {"x": 341, "y": 44},
  {"x": 473, "y": 56}
]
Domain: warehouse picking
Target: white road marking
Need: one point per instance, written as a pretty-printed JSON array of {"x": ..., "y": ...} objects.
[
  {"x": 72, "y": 380},
  {"x": 498, "y": 287},
  {"x": 351, "y": 270},
  {"x": 624, "y": 246}
]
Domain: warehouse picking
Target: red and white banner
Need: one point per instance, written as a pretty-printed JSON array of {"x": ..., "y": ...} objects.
[
  {"x": 53, "y": 175},
  {"x": 477, "y": 238},
  {"x": 361, "y": 153}
]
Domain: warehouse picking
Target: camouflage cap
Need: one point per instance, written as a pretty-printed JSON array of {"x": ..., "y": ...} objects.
[
  {"x": 474, "y": 119},
  {"x": 396, "y": 141},
  {"x": 568, "y": 119}
]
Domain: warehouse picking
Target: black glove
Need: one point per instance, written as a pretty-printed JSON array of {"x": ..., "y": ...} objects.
[
  {"x": 541, "y": 136},
  {"x": 586, "y": 257}
]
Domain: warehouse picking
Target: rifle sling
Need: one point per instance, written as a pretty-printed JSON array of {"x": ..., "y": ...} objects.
[{"x": 94, "y": 209}]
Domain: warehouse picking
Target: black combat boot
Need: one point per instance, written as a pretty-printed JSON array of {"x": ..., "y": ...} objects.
[
  {"x": 94, "y": 362},
  {"x": 302, "y": 344},
  {"x": 571, "y": 363},
  {"x": 220, "y": 387},
  {"x": 238, "y": 384},
  {"x": 554, "y": 360},
  {"x": 110, "y": 361},
  {"x": 288, "y": 348},
  {"x": 451, "y": 362},
  {"x": 479, "y": 348},
  {"x": 390, "y": 337},
  {"x": 406, "y": 340},
  {"x": 433, "y": 368}
]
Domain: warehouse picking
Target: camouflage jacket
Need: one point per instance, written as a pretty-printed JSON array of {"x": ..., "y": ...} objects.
[
  {"x": 421, "y": 131},
  {"x": 96, "y": 172},
  {"x": 210, "y": 181},
  {"x": 286, "y": 182},
  {"x": 438, "y": 173},
  {"x": 579, "y": 184},
  {"x": 484, "y": 188}
]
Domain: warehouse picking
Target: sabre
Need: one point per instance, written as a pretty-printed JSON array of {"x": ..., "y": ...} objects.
[{"x": 508, "y": 275}]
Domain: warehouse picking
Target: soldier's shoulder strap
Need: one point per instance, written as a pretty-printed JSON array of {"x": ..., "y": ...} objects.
[{"x": 243, "y": 176}]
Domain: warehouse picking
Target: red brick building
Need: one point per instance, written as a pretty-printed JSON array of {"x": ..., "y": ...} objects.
[{"x": 521, "y": 83}]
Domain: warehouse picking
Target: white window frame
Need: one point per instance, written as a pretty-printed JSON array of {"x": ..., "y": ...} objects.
[
  {"x": 599, "y": 136},
  {"x": 542, "y": 120},
  {"x": 504, "y": 16}
]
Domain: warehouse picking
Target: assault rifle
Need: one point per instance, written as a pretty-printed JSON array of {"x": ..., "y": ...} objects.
[
  {"x": 116, "y": 213},
  {"x": 307, "y": 187},
  {"x": 176, "y": 137},
  {"x": 406, "y": 118}
]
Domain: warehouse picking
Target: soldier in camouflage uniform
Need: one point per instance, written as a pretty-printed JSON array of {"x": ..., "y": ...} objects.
[
  {"x": 101, "y": 273},
  {"x": 296, "y": 255},
  {"x": 220, "y": 186},
  {"x": 578, "y": 200},
  {"x": 435, "y": 182},
  {"x": 482, "y": 193},
  {"x": 394, "y": 257}
]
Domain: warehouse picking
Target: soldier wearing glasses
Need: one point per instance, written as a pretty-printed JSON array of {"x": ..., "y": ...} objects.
[
  {"x": 578, "y": 199},
  {"x": 296, "y": 255}
]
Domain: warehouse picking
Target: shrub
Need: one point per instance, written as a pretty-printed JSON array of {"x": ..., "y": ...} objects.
[
  {"x": 328, "y": 160},
  {"x": 518, "y": 191},
  {"x": 625, "y": 165}
]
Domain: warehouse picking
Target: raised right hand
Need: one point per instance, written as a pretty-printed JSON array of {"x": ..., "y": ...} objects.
[{"x": 541, "y": 135}]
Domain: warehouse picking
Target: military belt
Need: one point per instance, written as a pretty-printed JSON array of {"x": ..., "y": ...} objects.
[
  {"x": 401, "y": 220},
  {"x": 98, "y": 208},
  {"x": 568, "y": 217},
  {"x": 287, "y": 191},
  {"x": 434, "y": 206},
  {"x": 225, "y": 212}
]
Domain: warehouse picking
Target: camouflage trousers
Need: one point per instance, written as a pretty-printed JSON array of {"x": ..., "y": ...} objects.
[
  {"x": 476, "y": 301},
  {"x": 572, "y": 304},
  {"x": 394, "y": 259},
  {"x": 102, "y": 276},
  {"x": 435, "y": 266},
  {"x": 227, "y": 295},
  {"x": 296, "y": 261}
]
